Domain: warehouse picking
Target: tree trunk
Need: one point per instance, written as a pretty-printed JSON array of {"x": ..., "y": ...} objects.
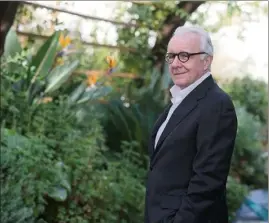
[
  {"x": 7, "y": 15},
  {"x": 170, "y": 25}
]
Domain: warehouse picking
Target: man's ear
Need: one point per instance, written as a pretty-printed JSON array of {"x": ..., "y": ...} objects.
[{"x": 207, "y": 61}]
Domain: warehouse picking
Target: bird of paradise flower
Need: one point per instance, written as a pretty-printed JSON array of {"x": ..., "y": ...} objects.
[
  {"x": 64, "y": 42},
  {"x": 93, "y": 76},
  {"x": 111, "y": 61}
]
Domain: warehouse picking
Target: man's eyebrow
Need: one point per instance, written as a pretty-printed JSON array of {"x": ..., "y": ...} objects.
[
  {"x": 180, "y": 51},
  {"x": 171, "y": 51},
  {"x": 176, "y": 52}
]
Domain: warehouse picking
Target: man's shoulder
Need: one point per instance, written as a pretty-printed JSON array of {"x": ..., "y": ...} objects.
[
  {"x": 219, "y": 94},
  {"x": 217, "y": 97}
]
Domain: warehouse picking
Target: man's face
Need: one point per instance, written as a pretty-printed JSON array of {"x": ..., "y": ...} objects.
[{"x": 184, "y": 74}]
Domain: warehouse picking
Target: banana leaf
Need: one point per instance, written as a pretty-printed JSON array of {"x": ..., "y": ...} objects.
[
  {"x": 76, "y": 94},
  {"x": 45, "y": 56},
  {"x": 60, "y": 75},
  {"x": 12, "y": 47},
  {"x": 12, "y": 44},
  {"x": 94, "y": 93}
]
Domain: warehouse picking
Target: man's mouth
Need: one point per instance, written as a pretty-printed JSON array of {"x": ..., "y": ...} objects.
[{"x": 176, "y": 74}]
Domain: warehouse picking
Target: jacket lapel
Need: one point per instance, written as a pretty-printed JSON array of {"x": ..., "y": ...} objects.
[
  {"x": 186, "y": 106},
  {"x": 156, "y": 127}
]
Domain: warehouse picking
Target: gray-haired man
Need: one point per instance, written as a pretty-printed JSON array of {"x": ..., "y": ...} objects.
[{"x": 193, "y": 140}]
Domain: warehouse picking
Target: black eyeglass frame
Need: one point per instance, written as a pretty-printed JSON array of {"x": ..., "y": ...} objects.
[{"x": 188, "y": 55}]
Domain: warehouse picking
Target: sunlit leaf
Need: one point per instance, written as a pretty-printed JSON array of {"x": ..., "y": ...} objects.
[
  {"x": 94, "y": 93},
  {"x": 44, "y": 58},
  {"x": 60, "y": 75},
  {"x": 12, "y": 44},
  {"x": 58, "y": 193}
]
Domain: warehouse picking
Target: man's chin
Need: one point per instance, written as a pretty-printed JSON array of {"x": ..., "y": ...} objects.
[{"x": 182, "y": 83}]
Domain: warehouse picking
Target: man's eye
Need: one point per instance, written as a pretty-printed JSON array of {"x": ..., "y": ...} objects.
[
  {"x": 183, "y": 55},
  {"x": 171, "y": 56}
]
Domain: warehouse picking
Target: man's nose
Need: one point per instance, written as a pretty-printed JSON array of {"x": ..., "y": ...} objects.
[{"x": 177, "y": 63}]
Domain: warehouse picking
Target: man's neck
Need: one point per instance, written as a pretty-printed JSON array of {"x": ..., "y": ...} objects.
[{"x": 178, "y": 93}]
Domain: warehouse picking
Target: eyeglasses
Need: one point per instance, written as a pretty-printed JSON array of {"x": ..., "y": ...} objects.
[{"x": 182, "y": 56}]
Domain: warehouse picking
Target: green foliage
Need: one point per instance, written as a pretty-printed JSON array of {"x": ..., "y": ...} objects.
[
  {"x": 114, "y": 194},
  {"x": 250, "y": 97},
  {"x": 61, "y": 172},
  {"x": 150, "y": 20},
  {"x": 25, "y": 164},
  {"x": 132, "y": 116},
  {"x": 248, "y": 163},
  {"x": 36, "y": 76},
  {"x": 12, "y": 206},
  {"x": 253, "y": 94},
  {"x": 59, "y": 75},
  {"x": 12, "y": 44},
  {"x": 53, "y": 159},
  {"x": 45, "y": 56},
  {"x": 236, "y": 193}
]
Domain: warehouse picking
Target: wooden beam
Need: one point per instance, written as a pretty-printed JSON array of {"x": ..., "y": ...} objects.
[
  {"x": 143, "y": 2},
  {"x": 102, "y": 73},
  {"x": 58, "y": 9},
  {"x": 37, "y": 36}
]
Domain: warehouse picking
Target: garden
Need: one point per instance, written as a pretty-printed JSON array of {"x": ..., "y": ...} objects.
[{"x": 75, "y": 122}]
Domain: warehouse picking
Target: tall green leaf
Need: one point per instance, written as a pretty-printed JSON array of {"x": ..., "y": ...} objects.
[
  {"x": 12, "y": 44},
  {"x": 94, "y": 93},
  {"x": 45, "y": 56},
  {"x": 75, "y": 95},
  {"x": 12, "y": 49},
  {"x": 60, "y": 75}
]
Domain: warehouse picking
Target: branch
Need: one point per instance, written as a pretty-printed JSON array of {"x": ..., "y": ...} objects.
[
  {"x": 57, "y": 9},
  {"x": 101, "y": 73}
]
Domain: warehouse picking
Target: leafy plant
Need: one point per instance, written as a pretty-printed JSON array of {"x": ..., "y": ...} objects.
[
  {"x": 131, "y": 116},
  {"x": 54, "y": 157},
  {"x": 36, "y": 76},
  {"x": 236, "y": 193},
  {"x": 252, "y": 94}
]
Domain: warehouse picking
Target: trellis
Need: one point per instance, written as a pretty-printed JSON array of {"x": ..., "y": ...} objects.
[
  {"x": 81, "y": 15},
  {"x": 88, "y": 17}
]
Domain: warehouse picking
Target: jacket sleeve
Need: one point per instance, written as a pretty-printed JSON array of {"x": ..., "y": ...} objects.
[{"x": 215, "y": 143}]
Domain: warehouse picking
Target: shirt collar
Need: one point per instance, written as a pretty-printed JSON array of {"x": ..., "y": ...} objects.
[{"x": 179, "y": 94}]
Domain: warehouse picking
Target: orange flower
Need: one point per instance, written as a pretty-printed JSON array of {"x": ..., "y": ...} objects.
[
  {"x": 92, "y": 77},
  {"x": 45, "y": 100},
  {"x": 111, "y": 62},
  {"x": 91, "y": 80},
  {"x": 64, "y": 41}
]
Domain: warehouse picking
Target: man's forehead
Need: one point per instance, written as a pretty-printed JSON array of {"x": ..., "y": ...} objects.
[{"x": 185, "y": 40}]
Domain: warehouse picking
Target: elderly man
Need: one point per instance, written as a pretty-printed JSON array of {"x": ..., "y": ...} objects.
[{"x": 193, "y": 140}]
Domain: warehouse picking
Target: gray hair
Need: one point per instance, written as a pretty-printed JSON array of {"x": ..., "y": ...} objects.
[{"x": 206, "y": 43}]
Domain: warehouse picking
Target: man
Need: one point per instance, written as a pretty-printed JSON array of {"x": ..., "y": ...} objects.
[{"x": 192, "y": 141}]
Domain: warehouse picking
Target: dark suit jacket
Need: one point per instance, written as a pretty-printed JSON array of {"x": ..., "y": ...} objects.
[{"x": 190, "y": 164}]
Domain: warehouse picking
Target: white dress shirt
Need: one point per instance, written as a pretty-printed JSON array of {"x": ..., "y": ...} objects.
[{"x": 177, "y": 97}]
